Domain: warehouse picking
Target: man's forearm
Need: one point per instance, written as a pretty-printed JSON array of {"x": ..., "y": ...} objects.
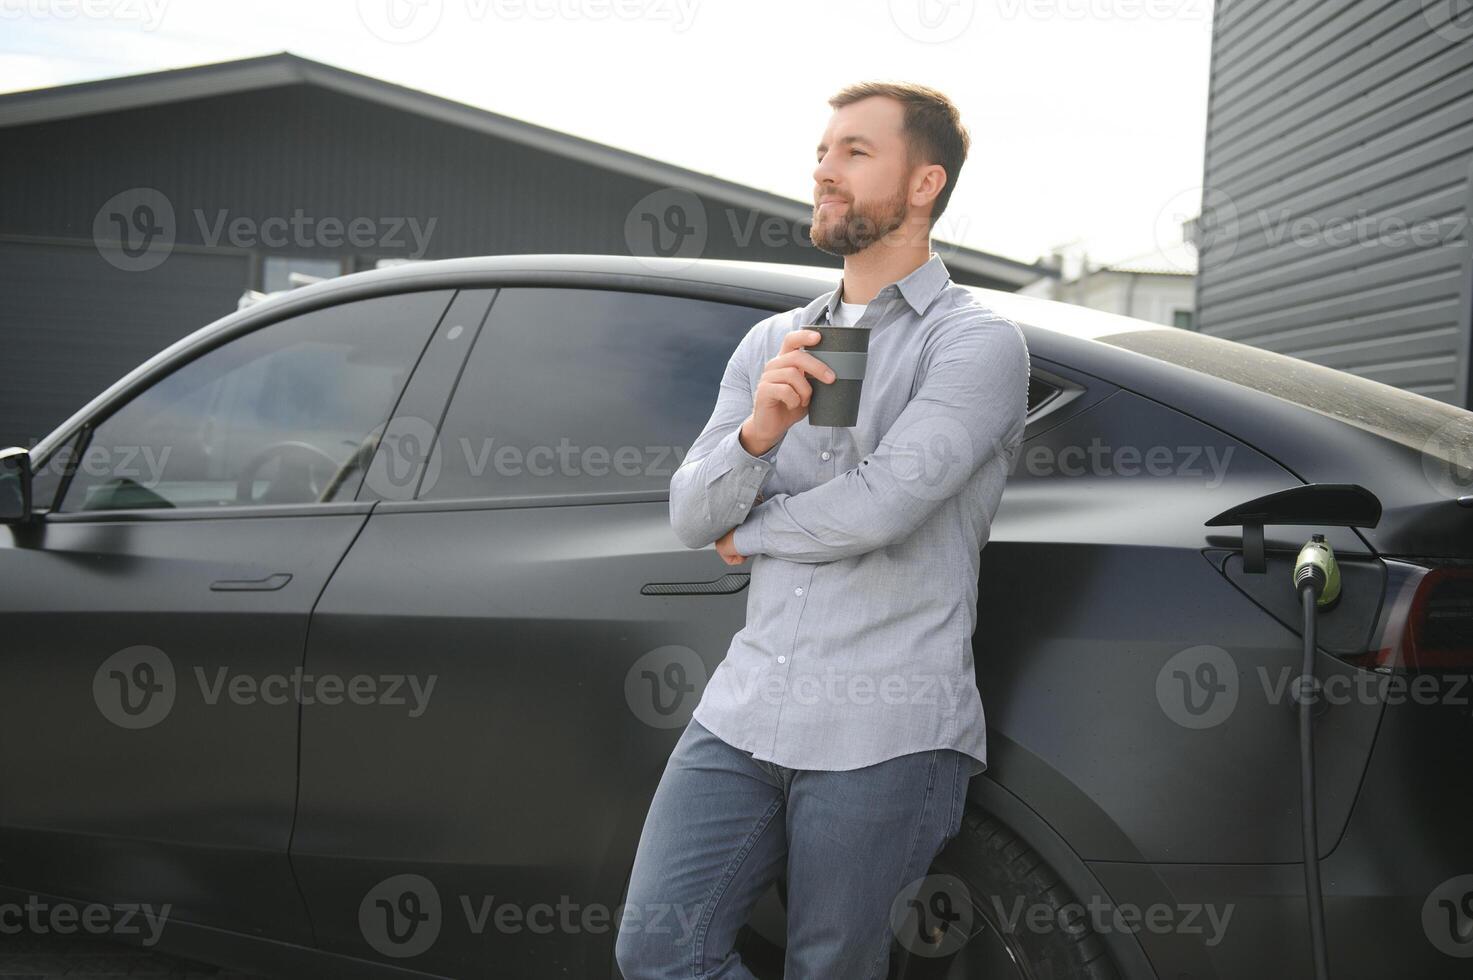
[
  {"x": 713, "y": 493},
  {"x": 970, "y": 409}
]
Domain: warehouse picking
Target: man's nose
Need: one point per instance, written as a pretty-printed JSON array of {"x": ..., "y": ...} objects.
[{"x": 823, "y": 174}]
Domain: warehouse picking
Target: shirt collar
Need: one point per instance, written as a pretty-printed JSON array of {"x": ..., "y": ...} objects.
[{"x": 919, "y": 289}]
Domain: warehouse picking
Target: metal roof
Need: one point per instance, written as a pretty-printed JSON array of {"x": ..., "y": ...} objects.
[{"x": 275, "y": 70}]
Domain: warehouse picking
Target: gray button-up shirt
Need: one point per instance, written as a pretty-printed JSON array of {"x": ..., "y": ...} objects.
[{"x": 865, "y": 541}]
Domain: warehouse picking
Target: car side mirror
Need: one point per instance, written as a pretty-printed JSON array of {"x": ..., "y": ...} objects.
[{"x": 15, "y": 485}]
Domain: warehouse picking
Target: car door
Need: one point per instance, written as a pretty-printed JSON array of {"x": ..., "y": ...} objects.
[
  {"x": 156, "y": 618},
  {"x": 548, "y": 634}
]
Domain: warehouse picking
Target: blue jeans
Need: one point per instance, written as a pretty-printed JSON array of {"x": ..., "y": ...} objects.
[{"x": 723, "y": 826}]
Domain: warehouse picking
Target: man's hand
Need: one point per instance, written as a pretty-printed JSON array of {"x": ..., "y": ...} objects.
[
  {"x": 727, "y": 550},
  {"x": 783, "y": 391}
]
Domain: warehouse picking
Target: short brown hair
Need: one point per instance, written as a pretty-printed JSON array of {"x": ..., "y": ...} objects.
[{"x": 933, "y": 129}]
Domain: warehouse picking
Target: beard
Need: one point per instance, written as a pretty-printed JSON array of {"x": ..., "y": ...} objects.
[{"x": 860, "y": 226}]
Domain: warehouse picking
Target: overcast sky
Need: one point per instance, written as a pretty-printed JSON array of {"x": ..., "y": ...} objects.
[{"x": 1087, "y": 116}]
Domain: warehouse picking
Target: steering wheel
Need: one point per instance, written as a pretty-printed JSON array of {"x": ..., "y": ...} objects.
[
  {"x": 293, "y": 485},
  {"x": 359, "y": 457}
]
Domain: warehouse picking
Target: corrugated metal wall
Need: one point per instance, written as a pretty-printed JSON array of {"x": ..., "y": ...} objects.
[{"x": 1339, "y": 186}]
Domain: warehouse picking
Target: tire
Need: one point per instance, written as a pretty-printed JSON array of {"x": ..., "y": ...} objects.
[{"x": 987, "y": 865}]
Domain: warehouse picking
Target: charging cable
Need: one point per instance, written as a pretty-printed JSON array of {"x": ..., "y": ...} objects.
[{"x": 1317, "y": 581}]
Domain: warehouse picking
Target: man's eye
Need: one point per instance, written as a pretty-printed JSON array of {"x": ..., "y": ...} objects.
[{"x": 859, "y": 153}]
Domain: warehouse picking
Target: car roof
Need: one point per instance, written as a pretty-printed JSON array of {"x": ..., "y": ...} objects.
[{"x": 779, "y": 278}]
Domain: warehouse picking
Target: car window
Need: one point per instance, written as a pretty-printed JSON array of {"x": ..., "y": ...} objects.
[
  {"x": 1416, "y": 421},
  {"x": 286, "y": 414},
  {"x": 583, "y": 391}
]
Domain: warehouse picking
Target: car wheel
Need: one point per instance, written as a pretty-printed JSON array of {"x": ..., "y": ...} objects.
[{"x": 992, "y": 908}]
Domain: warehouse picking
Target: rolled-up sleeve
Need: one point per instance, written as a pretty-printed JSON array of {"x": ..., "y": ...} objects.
[
  {"x": 970, "y": 409},
  {"x": 713, "y": 488}
]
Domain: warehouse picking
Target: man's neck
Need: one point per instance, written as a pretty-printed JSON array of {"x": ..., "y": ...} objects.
[{"x": 871, "y": 270}]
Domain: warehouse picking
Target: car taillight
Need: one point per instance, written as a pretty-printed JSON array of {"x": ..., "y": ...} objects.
[{"x": 1429, "y": 625}]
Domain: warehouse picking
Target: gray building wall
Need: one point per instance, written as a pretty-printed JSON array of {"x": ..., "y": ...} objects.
[{"x": 1339, "y": 187}]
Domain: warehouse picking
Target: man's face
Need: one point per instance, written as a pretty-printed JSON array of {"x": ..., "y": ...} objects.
[{"x": 863, "y": 170}]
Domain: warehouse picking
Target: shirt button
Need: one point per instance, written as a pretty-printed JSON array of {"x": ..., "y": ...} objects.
[
  {"x": 798, "y": 590},
  {"x": 825, "y": 454},
  {"x": 782, "y": 660}
]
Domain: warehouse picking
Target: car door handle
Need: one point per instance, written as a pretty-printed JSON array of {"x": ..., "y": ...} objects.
[
  {"x": 268, "y": 584},
  {"x": 725, "y": 585}
]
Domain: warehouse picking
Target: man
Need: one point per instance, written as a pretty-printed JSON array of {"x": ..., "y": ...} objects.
[{"x": 835, "y": 742}]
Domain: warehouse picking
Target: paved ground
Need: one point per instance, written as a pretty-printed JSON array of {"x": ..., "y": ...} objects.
[{"x": 28, "y": 957}]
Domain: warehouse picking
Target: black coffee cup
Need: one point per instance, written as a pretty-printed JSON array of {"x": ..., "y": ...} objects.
[{"x": 845, "y": 350}]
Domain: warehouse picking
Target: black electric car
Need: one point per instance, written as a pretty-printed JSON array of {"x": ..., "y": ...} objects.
[{"x": 346, "y": 630}]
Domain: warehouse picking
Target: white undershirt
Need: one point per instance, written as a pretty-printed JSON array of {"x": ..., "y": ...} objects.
[{"x": 848, "y": 314}]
